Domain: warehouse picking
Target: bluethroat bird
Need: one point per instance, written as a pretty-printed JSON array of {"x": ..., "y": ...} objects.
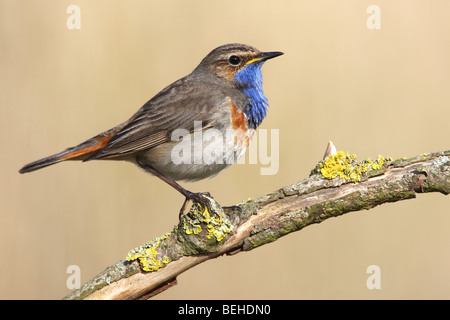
[{"x": 224, "y": 93}]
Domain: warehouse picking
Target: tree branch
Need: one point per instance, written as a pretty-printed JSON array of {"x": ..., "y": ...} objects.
[{"x": 337, "y": 185}]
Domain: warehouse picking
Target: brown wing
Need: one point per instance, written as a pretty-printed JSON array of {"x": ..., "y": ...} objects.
[{"x": 177, "y": 106}]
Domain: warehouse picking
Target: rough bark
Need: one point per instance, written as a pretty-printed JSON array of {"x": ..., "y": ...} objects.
[{"x": 205, "y": 234}]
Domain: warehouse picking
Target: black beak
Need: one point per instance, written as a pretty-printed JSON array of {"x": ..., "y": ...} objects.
[{"x": 269, "y": 55}]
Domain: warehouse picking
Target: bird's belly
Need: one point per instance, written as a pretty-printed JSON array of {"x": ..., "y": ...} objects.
[{"x": 199, "y": 155}]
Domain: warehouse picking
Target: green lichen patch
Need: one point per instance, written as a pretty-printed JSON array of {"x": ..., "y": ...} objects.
[
  {"x": 346, "y": 166},
  {"x": 148, "y": 255}
]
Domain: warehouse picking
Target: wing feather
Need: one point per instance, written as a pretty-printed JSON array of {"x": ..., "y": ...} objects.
[{"x": 177, "y": 106}]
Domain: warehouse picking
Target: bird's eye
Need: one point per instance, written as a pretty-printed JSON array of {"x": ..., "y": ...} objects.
[{"x": 234, "y": 60}]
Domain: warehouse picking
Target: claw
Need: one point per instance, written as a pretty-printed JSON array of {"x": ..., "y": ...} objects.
[{"x": 203, "y": 198}]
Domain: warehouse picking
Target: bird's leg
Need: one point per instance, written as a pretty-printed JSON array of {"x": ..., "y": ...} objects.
[{"x": 200, "y": 197}]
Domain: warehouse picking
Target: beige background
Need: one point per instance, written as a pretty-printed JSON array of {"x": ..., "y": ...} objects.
[{"x": 369, "y": 91}]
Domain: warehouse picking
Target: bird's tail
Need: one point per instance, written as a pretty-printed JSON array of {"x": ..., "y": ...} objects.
[{"x": 79, "y": 152}]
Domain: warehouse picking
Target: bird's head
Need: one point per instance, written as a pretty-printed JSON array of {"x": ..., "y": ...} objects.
[{"x": 237, "y": 64}]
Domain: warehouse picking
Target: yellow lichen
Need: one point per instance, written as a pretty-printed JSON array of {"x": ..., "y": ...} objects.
[
  {"x": 192, "y": 226},
  {"x": 217, "y": 223},
  {"x": 345, "y": 166},
  {"x": 147, "y": 255}
]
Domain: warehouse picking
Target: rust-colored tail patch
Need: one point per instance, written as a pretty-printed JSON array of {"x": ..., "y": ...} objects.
[
  {"x": 79, "y": 152},
  {"x": 98, "y": 144}
]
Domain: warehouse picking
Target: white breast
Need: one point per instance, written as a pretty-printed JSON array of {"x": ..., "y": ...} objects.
[{"x": 198, "y": 155}]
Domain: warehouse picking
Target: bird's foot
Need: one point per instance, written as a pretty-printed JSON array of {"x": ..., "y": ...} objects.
[
  {"x": 206, "y": 224},
  {"x": 203, "y": 198}
]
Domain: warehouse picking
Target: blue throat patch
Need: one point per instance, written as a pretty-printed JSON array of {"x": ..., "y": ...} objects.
[{"x": 250, "y": 81}]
